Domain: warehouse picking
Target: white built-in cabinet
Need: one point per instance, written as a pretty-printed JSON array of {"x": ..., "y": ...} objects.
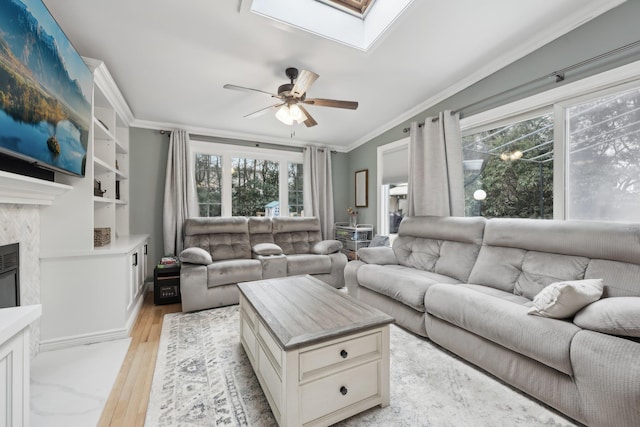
[{"x": 89, "y": 293}]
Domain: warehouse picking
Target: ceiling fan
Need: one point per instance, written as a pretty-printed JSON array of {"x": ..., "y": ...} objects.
[{"x": 292, "y": 96}]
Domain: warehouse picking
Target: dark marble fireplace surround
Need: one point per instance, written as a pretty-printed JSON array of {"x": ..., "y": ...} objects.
[{"x": 9, "y": 275}]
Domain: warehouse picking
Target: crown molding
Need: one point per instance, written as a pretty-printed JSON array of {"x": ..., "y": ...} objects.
[
  {"x": 106, "y": 83},
  {"x": 244, "y": 136},
  {"x": 571, "y": 22}
]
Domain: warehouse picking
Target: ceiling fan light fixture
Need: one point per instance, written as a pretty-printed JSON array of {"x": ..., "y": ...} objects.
[
  {"x": 290, "y": 94},
  {"x": 296, "y": 113},
  {"x": 284, "y": 115}
]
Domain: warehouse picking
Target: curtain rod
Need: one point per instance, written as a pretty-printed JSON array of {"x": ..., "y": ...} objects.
[
  {"x": 557, "y": 75},
  {"x": 168, "y": 133}
]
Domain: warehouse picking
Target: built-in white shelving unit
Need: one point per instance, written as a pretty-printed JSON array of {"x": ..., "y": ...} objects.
[{"x": 90, "y": 293}]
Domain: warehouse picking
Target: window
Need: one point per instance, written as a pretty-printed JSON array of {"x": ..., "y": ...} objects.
[
  {"x": 255, "y": 187},
  {"x": 604, "y": 158},
  {"x": 234, "y": 180},
  {"x": 208, "y": 170},
  {"x": 508, "y": 170},
  {"x": 296, "y": 199},
  {"x": 584, "y": 139}
]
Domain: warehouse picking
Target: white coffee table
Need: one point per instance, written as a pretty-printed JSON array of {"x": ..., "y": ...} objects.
[{"x": 320, "y": 355}]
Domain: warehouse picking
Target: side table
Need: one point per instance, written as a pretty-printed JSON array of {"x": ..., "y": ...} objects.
[{"x": 166, "y": 284}]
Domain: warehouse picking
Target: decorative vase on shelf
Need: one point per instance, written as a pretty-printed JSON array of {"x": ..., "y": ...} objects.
[{"x": 353, "y": 220}]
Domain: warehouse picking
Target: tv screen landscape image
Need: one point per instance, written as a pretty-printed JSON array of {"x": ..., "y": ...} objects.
[{"x": 45, "y": 90}]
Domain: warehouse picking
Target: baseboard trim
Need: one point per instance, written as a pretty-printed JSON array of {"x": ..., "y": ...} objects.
[{"x": 95, "y": 337}]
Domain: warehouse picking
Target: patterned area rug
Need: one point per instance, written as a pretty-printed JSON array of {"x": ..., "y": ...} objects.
[{"x": 203, "y": 378}]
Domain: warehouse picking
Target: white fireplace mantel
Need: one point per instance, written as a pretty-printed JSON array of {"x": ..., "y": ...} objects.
[{"x": 25, "y": 190}]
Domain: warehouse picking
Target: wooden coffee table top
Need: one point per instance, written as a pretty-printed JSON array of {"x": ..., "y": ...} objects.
[{"x": 302, "y": 310}]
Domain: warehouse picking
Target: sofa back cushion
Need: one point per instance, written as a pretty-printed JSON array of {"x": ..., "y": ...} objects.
[
  {"x": 443, "y": 245},
  {"x": 525, "y": 255},
  {"x": 296, "y": 235},
  {"x": 223, "y": 238},
  {"x": 260, "y": 230}
]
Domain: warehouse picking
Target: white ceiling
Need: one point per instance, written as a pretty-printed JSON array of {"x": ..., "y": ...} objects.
[{"x": 171, "y": 58}]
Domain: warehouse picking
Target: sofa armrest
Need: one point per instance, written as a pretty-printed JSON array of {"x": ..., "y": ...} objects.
[
  {"x": 351, "y": 277},
  {"x": 193, "y": 286},
  {"x": 326, "y": 247},
  {"x": 195, "y": 256},
  {"x": 381, "y": 255},
  {"x": 606, "y": 370}
]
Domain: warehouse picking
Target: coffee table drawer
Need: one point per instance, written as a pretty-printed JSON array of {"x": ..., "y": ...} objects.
[
  {"x": 271, "y": 379},
  {"x": 337, "y": 391},
  {"x": 270, "y": 345},
  {"x": 249, "y": 337},
  {"x": 344, "y": 352}
]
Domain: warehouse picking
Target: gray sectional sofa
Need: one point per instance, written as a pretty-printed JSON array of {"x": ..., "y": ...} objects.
[
  {"x": 221, "y": 252},
  {"x": 468, "y": 284}
]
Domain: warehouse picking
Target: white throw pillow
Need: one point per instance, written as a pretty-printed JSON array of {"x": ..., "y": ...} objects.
[{"x": 560, "y": 300}]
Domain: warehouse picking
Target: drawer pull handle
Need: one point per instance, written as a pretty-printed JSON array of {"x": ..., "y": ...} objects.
[
  {"x": 343, "y": 390},
  {"x": 344, "y": 354}
]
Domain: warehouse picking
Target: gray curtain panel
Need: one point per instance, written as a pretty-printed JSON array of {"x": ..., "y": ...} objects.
[
  {"x": 436, "y": 181},
  {"x": 318, "y": 188},
  {"x": 180, "y": 200}
]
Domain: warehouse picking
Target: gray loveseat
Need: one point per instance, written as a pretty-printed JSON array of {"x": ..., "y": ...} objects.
[
  {"x": 468, "y": 285},
  {"x": 221, "y": 252}
]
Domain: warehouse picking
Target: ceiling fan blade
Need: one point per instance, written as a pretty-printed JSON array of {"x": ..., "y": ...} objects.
[
  {"x": 263, "y": 110},
  {"x": 303, "y": 83},
  {"x": 248, "y": 89},
  {"x": 349, "y": 105},
  {"x": 310, "y": 120}
]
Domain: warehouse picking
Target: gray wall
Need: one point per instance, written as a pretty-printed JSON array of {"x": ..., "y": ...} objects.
[
  {"x": 611, "y": 30},
  {"x": 148, "y": 162},
  {"x": 340, "y": 179}
]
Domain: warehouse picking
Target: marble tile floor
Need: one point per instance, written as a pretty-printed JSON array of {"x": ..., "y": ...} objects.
[{"x": 69, "y": 387}]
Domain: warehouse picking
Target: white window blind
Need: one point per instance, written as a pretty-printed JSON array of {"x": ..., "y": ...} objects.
[{"x": 395, "y": 166}]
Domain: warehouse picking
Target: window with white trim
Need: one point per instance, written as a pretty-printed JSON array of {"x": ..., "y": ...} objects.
[
  {"x": 590, "y": 152},
  {"x": 603, "y": 157},
  {"x": 508, "y": 169},
  {"x": 235, "y": 180}
]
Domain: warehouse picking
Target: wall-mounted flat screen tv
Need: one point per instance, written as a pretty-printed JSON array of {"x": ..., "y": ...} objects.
[{"x": 45, "y": 90}]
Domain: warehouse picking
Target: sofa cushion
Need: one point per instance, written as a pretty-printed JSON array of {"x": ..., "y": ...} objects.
[
  {"x": 504, "y": 322},
  {"x": 308, "y": 264},
  {"x": 233, "y": 271},
  {"x": 507, "y": 296},
  {"x": 296, "y": 235},
  {"x": 497, "y": 267},
  {"x": 540, "y": 269},
  {"x": 195, "y": 256},
  {"x": 260, "y": 230},
  {"x": 443, "y": 245},
  {"x": 381, "y": 255},
  {"x": 404, "y": 284},
  {"x": 223, "y": 238},
  {"x": 613, "y": 316},
  {"x": 326, "y": 247},
  {"x": 561, "y": 300},
  {"x": 621, "y": 279}
]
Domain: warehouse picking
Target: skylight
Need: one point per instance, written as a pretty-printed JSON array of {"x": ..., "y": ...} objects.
[
  {"x": 358, "y": 8},
  {"x": 327, "y": 18}
]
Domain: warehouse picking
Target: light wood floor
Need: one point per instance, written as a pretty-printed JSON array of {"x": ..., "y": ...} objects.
[{"x": 127, "y": 403}]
